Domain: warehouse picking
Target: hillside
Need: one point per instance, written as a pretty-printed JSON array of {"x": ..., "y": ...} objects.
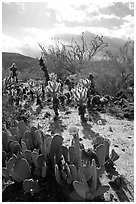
[{"x": 22, "y": 62}]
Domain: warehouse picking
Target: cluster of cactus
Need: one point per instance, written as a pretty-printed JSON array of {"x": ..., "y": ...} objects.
[
  {"x": 15, "y": 103},
  {"x": 80, "y": 97},
  {"x": 29, "y": 154},
  {"x": 84, "y": 176},
  {"x": 25, "y": 153},
  {"x": 104, "y": 143},
  {"x": 84, "y": 83}
]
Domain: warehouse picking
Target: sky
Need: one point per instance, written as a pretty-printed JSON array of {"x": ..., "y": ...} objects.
[{"x": 25, "y": 24}]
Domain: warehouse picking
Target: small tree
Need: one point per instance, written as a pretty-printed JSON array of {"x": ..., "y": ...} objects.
[{"x": 71, "y": 57}]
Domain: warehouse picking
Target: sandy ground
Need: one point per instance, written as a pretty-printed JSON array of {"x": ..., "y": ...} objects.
[{"x": 121, "y": 135}]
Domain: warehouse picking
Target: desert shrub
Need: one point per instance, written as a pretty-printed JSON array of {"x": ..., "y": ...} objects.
[
  {"x": 123, "y": 64},
  {"x": 113, "y": 74},
  {"x": 5, "y": 73},
  {"x": 65, "y": 59},
  {"x": 31, "y": 74},
  {"x": 106, "y": 84}
]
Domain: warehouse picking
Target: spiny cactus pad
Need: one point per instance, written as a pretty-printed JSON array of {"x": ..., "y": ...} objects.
[
  {"x": 101, "y": 153},
  {"x": 56, "y": 148},
  {"x": 22, "y": 169},
  {"x": 5, "y": 141},
  {"x": 15, "y": 147}
]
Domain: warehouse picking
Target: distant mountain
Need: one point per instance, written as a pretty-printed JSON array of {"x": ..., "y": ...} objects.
[{"x": 22, "y": 62}]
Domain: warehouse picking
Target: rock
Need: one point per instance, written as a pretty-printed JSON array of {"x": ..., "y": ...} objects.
[{"x": 110, "y": 129}]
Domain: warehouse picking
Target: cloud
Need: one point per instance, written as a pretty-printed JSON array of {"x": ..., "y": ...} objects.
[
  {"x": 77, "y": 4},
  {"x": 120, "y": 9},
  {"x": 8, "y": 42},
  {"x": 125, "y": 30},
  {"x": 28, "y": 14},
  {"x": 101, "y": 20},
  {"x": 27, "y": 23},
  {"x": 28, "y": 46},
  {"x": 73, "y": 11}
]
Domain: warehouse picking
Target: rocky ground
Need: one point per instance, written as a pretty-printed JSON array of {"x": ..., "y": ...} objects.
[
  {"x": 121, "y": 135},
  {"x": 120, "y": 132}
]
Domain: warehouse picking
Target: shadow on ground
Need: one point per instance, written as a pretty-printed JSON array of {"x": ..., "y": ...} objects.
[
  {"x": 57, "y": 126},
  {"x": 87, "y": 128},
  {"x": 96, "y": 118},
  {"x": 120, "y": 185},
  {"x": 88, "y": 132}
]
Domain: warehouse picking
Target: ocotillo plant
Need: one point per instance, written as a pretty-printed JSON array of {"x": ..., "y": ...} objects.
[
  {"x": 44, "y": 69},
  {"x": 53, "y": 89}
]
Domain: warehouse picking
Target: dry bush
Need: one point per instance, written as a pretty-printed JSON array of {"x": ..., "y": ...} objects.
[
  {"x": 114, "y": 73},
  {"x": 65, "y": 59}
]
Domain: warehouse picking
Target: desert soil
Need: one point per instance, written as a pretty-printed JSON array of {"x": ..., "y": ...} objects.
[{"x": 119, "y": 132}]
